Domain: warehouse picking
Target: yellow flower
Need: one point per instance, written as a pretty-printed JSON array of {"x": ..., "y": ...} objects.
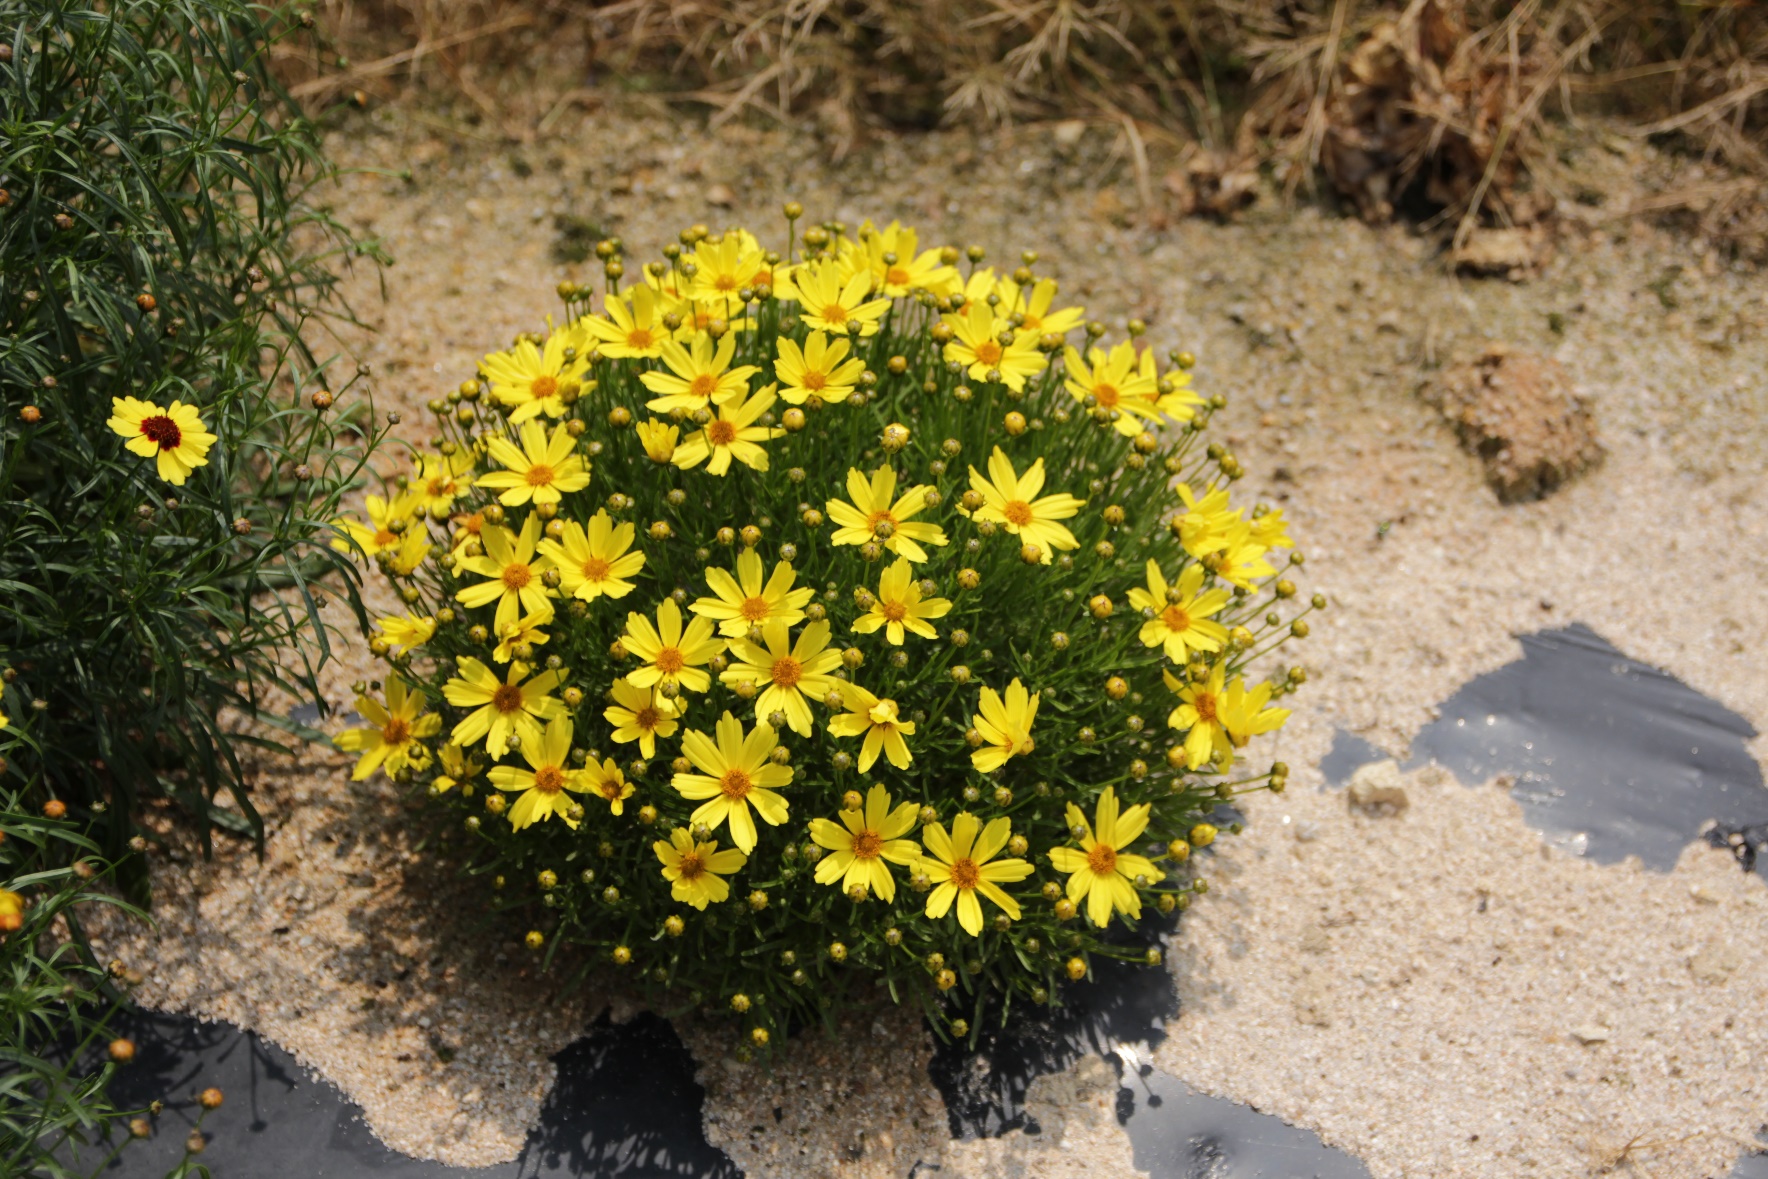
[
  {"x": 1271, "y": 530},
  {"x": 872, "y": 515},
  {"x": 594, "y": 564},
  {"x": 1199, "y": 716},
  {"x": 963, "y": 865},
  {"x": 174, "y": 436},
  {"x": 671, "y": 656},
  {"x": 457, "y": 768},
  {"x": 696, "y": 871},
  {"x": 732, "y": 434},
  {"x": 413, "y": 547},
  {"x": 398, "y": 727},
  {"x": 1203, "y": 525},
  {"x": 1181, "y": 621},
  {"x": 1012, "y": 501},
  {"x": 518, "y": 631},
  {"x": 543, "y": 786},
  {"x": 724, "y": 267},
  {"x": 736, "y": 774},
  {"x": 12, "y": 911},
  {"x": 877, "y": 721},
  {"x": 542, "y": 470},
  {"x": 744, "y": 602},
  {"x": 513, "y": 571},
  {"x": 1244, "y": 714},
  {"x": 379, "y": 532},
  {"x": 785, "y": 672},
  {"x": 607, "y": 781},
  {"x": 640, "y": 714},
  {"x": 864, "y": 841},
  {"x": 1005, "y": 726},
  {"x": 698, "y": 377},
  {"x": 408, "y": 632},
  {"x": 439, "y": 480},
  {"x": 513, "y": 705},
  {"x": 828, "y": 304},
  {"x": 910, "y": 269},
  {"x": 820, "y": 369},
  {"x": 534, "y": 381},
  {"x": 1101, "y": 872},
  {"x": 1180, "y": 403},
  {"x": 978, "y": 344},
  {"x": 899, "y": 607},
  {"x": 1115, "y": 385},
  {"x": 1032, "y": 304},
  {"x": 658, "y": 439},
  {"x": 1240, "y": 558},
  {"x": 623, "y": 333}
]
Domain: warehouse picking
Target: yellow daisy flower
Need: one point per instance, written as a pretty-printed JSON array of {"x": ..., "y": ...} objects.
[
  {"x": 698, "y": 376},
  {"x": 514, "y": 573},
  {"x": 896, "y": 263},
  {"x": 626, "y": 333},
  {"x": 1030, "y": 304},
  {"x": 1182, "y": 613},
  {"x": 607, "y": 781},
  {"x": 1199, "y": 716},
  {"x": 877, "y": 721},
  {"x": 1270, "y": 529},
  {"x": 439, "y": 480},
  {"x": 872, "y": 515},
  {"x": 595, "y": 563},
  {"x": 864, "y": 841},
  {"x": 962, "y": 865},
  {"x": 1012, "y": 500},
  {"x": 379, "y": 533},
  {"x": 543, "y": 470},
  {"x": 828, "y": 304},
  {"x": 174, "y": 436},
  {"x": 513, "y": 705},
  {"x": 1115, "y": 385},
  {"x": 696, "y": 871},
  {"x": 736, "y": 774},
  {"x": 640, "y": 714},
  {"x": 743, "y": 602},
  {"x": 1100, "y": 871},
  {"x": 1203, "y": 526},
  {"x": 403, "y": 560},
  {"x": 671, "y": 655},
  {"x": 732, "y": 434},
  {"x": 399, "y": 726},
  {"x": 820, "y": 369},
  {"x": 407, "y": 632},
  {"x": 12, "y": 911},
  {"x": 1244, "y": 715},
  {"x": 534, "y": 381},
  {"x": 658, "y": 439},
  {"x": 1179, "y": 402},
  {"x": 724, "y": 266},
  {"x": 786, "y": 672},
  {"x": 1005, "y": 726},
  {"x": 978, "y": 345},
  {"x": 518, "y": 631},
  {"x": 898, "y": 606},
  {"x": 457, "y": 768},
  {"x": 1240, "y": 560},
  {"x": 544, "y": 784}
]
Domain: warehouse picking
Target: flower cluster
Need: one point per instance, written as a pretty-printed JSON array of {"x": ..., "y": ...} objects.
[{"x": 783, "y": 616}]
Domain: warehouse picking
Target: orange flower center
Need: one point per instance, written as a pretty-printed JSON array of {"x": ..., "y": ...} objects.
[
  {"x": 646, "y": 718},
  {"x": 670, "y": 660},
  {"x": 787, "y": 671},
  {"x": 596, "y": 569},
  {"x": 543, "y": 387},
  {"x": 868, "y": 845},
  {"x": 835, "y": 313},
  {"x": 397, "y": 731},
  {"x": 691, "y": 867},
  {"x": 162, "y": 431},
  {"x": 965, "y": 873},
  {"x": 611, "y": 789},
  {"x": 704, "y": 385},
  {"x": 736, "y": 783},
  {"x": 1176, "y": 619},
  {"x": 893, "y": 611},
  {"x": 989, "y": 352},
  {"x": 1105, "y": 395},
  {"x": 549, "y": 779},
  {"x": 1102, "y": 859},
  {"x": 639, "y": 338},
  {"x": 507, "y": 698},
  {"x": 815, "y": 381},
  {"x": 1017, "y": 512},
  {"x": 1205, "y": 704},
  {"x": 898, "y": 276},
  {"x": 516, "y": 576},
  {"x": 721, "y": 432},
  {"x": 726, "y": 282},
  {"x": 383, "y": 538},
  {"x": 1032, "y": 321},
  {"x": 754, "y": 609},
  {"x": 539, "y": 475},
  {"x": 877, "y": 518}
]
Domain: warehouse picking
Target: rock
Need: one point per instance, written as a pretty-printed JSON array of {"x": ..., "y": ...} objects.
[
  {"x": 1590, "y": 1033},
  {"x": 1509, "y": 252},
  {"x": 1377, "y": 789},
  {"x": 720, "y": 196},
  {"x": 1519, "y": 413},
  {"x": 1068, "y": 132},
  {"x": 1714, "y": 962},
  {"x": 1306, "y": 831}
]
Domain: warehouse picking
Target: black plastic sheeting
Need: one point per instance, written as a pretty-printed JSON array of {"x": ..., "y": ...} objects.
[
  {"x": 1182, "y": 1134},
  {"x": 625, "y": 1106}
]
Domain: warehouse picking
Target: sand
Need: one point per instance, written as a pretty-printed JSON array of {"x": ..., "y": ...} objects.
[{"x": 1411, "y": 1039}]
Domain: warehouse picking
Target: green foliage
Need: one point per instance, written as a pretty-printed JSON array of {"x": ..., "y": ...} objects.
[{"x": 156, "y": 181}]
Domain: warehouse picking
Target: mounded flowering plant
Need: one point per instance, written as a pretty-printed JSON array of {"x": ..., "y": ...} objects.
[{"x": 845, "y": 610}]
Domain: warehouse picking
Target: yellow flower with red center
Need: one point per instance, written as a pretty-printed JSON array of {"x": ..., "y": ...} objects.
[
  {"x": 698, "y": 376},
  {"x": 963, "y": 868},
  {"x": 512, "y": 570},
  {"x": 400, "y": 725},
  {"x": 985, "y": 344},
  {"x": 543, "y": 469},
  {"x": 595, "y": 563},
  {"x": 173, "y": 436},
  {"x": 623, "y": 332},
  {"x": 736, "y": 775},
  {"x": 744, "y": 602},
  {"x": 878, "y": 514},
  {"x": 1114, "y": 383},
  {"x": 827, "y": 303},
  {"x": 1182, "y": 613},
  {"x": 732, "y": 434},
  {"x": 696, "y": 870},
  {"x": 820, "y": 370},
  {"x": 1100, "y": 872},
  {"x": 671, "y": 655},
  {"x": 385, "y": 527},
  {"x": 786, "y": 672},
  {"x": 606, "y": 781},
  {"x": 1004, "y": 725},
  {"x": 640, "y": 714},
  {"x": 533, "y": 381},
  {"x": 512, "y": 706},
  {"x": 544, "y": 784},
  {"x": 1199, "y": 716},
  {"x": 864, "y": 842},
  {"x": 899, "y": 607},
  {"x": 1012, "y": 501},
  {"x": 877, "y": 721}
]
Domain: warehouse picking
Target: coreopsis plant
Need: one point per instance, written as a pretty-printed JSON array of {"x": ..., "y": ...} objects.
[{"x": 788, "y": 617}]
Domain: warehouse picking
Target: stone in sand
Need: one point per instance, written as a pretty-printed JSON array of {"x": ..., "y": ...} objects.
[
  {"x": 1519, "y": 413},
  {"x": 1378, "y": 789}
]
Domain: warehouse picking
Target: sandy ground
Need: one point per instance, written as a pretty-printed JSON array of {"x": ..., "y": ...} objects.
[{"x": 1349, "y": 982}]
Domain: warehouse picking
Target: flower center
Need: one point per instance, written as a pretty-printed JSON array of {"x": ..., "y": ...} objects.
[
  {"x": 516, "y": 576},
  {"x": 897, "y": 276},
  {"x": 163, "y": 431},
  {"x": 893, "y": 611},
  {"x": 507, "y": 698},
  {"x": 1205, "y": 704},
  {"x": 1105, "y": 395},
  {"x": 646, "y": 718},
  {"x": 787, "y": 671},
  {"x": 883, "y": 714},
  {"x": 735, "y": 783},
  {"x": 639, "y": 338},
  {"x": 539, "y": 475},
  {"x": 704, "y": 385},
  {"x": 670, "y": 660},
  {"x": 1032, "y": 321},
  {"x": 543, "y": 387},
  {"x": 596, "y": 569},
  {"x": 835, "y": 313},
  {"x": 877, "y": 518},
  {"x": 965, "y": 873},
  {"x": 721, "y": 432},
  {"x": 814, "y": 380},
  {"x": 397, "y": 731},
  {"x": 1017, "y": 512},
  {"x": 726, "y": 282},
  {"x": 439, "y": 487},
  {"x": 1176, "y": 618},
  {"x": 610, "y": 789},
  {"x": 754, "y": 609},
  {"x": 989, "y": 352},
  {"x": 383, "y": 538},
  {"x": 868, "y": 845},
  {"x": 549, "y": 779},
  {"x": 1102, "y": 859}
]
